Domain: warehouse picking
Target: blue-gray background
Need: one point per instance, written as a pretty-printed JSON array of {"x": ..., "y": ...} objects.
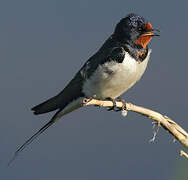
[{"x": 43, "y": 43}]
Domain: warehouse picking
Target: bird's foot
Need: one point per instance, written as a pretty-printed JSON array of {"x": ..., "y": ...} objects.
[
  {"x": 114, "y": 104},
  {"x": 123, "y": 108}
]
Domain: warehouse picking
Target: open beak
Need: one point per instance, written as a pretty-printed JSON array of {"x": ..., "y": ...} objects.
[{"x": 152, "y": 32}]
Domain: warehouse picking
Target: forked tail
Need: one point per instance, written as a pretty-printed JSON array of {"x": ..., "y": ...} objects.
[
  {"x": 30, "y": 140},
  {"x": 71, "y": 106}
]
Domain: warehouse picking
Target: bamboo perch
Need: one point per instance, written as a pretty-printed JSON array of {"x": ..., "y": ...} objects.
[{"x": 178, "y": 132}]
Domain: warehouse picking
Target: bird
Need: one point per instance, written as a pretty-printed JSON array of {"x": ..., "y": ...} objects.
[{"x": 118, "y": 64}]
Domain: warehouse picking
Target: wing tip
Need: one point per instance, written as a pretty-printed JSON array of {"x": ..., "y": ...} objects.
[{"x": 34, "y": 109}]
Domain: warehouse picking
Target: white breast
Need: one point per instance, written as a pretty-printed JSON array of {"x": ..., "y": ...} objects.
[{"x": 112, "y": 79}]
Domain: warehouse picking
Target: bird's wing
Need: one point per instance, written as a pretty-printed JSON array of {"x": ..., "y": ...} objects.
[
  {"x": 74, "y": 89},
  {"x": 69, "y": 93},
  {"x": 61, "y": 101}
]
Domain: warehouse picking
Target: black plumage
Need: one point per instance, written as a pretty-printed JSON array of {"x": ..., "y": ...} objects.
[{"x": 122, "y": 41}]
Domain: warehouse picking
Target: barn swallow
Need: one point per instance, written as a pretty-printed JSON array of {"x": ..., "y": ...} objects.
[{"x": 111, "y": 71}]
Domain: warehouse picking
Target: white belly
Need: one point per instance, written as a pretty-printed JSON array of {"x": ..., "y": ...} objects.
[{"x": 112, "y": 79}]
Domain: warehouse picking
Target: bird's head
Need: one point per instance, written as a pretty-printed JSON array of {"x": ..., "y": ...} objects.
[{"x": 135, "y": 30}]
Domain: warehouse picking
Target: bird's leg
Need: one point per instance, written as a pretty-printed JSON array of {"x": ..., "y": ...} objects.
[
  {"x": 124, "y": 104},
  {"x": 114, "y": 104}
]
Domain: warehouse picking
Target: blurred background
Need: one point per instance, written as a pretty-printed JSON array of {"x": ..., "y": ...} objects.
[{"x": 43, "y": 43}]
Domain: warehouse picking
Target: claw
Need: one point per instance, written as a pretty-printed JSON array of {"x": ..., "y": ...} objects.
[
  {"x": 124, "y": 104},
  {"x": 114, "y": 104}
]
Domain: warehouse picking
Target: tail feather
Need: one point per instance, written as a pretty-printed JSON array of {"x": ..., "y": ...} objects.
[
  {"x": 47, "y": 106},
  {"x": 71, "y": 106},
  {"x": 71, "y": 92},
  {"x": 32, "y": 138}
]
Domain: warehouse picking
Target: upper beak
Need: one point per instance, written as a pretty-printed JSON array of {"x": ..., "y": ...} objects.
[{"x": 151, "y": 33}]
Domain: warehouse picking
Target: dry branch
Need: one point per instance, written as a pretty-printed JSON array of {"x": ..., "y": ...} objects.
[{"x": 178, "y": 132}]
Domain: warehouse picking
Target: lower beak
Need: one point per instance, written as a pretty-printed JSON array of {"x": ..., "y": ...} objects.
[{"x": 151, "y": 33}]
